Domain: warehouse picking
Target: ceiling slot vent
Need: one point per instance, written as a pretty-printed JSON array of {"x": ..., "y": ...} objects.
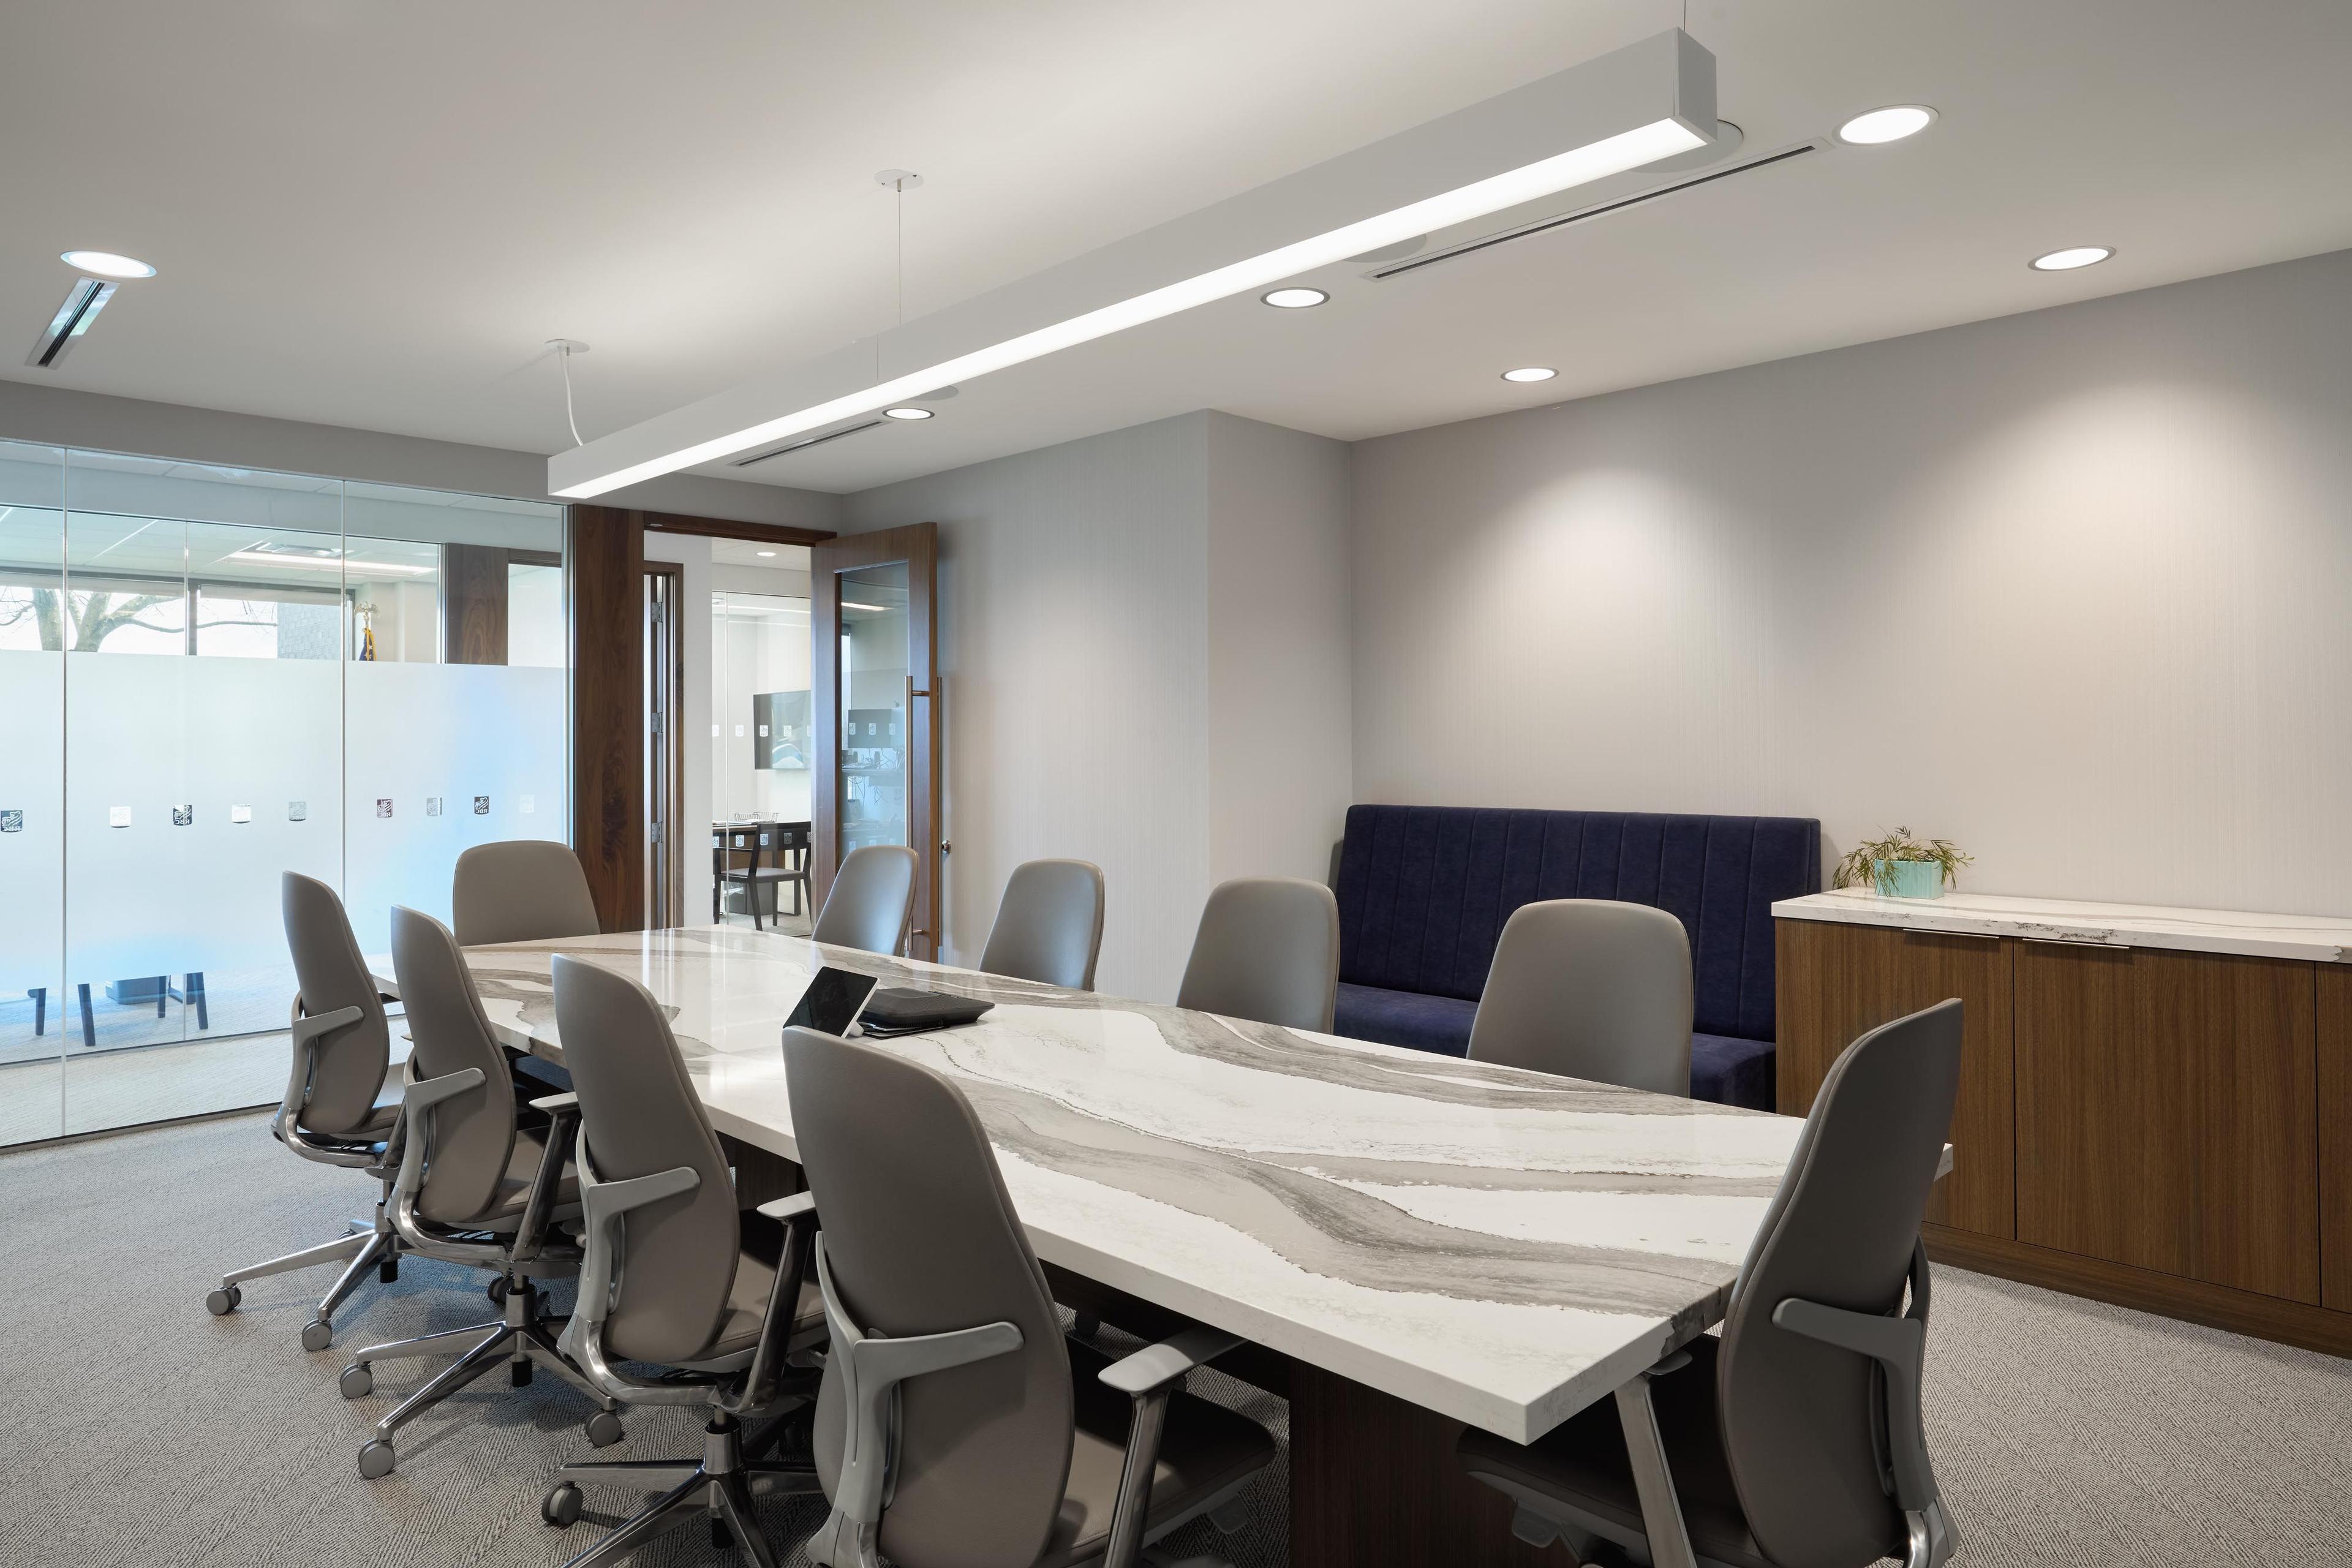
[
  {"x": 83, "y": 302},
  {"x": 805, "y": 443},
  {"x": 1582, "y": 215}
]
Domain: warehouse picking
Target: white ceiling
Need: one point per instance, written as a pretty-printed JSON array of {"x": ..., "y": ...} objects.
[{"x": 373, "y": 214}]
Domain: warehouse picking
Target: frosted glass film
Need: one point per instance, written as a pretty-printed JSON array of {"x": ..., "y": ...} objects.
[
  {"x": 462, "y": 734},
  {"x": 32, "y": 785}
]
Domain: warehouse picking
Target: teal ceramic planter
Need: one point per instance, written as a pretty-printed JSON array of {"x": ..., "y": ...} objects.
[{"x": 1909, "y": 879}]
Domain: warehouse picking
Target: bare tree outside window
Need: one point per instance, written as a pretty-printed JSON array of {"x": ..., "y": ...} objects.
[{"x": 80, "y": 621}]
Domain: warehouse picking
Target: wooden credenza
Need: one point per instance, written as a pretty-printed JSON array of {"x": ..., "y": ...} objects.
[{"x": 2163, "y": 1126}]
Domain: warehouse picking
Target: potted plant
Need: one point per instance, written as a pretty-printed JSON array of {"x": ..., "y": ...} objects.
[{"x": 1902, "y": 866}]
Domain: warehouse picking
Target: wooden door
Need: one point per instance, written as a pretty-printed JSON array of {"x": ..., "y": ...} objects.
[
  {"x": 875, "y": 776},
  {"x": 2165, "y": 1112},
  {"x": 1838, "y": 982}
]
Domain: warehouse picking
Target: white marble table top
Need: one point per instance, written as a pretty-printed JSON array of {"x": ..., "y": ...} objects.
[
  {"x": 2325, "y": 938},
  {"x": 1499, "y": 1246}
]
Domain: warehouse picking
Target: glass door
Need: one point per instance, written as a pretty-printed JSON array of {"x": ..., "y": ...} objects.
[
  {"x": 876, "y": 779},
  {"x": 34, "y": 999}
]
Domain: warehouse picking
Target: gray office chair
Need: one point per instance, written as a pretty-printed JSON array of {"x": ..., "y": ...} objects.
[
  {"x": 525, "y": 889},
  {"x": 956, "y": 1425},
  {"x": 473, "y": 1188},
  {"x": 342, "y": 1047},
  {"x": 1590, "y": 988},
  {"x": 870, "y": 900},
  {"x": 1049, "y": 926},
  {"x": 675, "y": 1274},
  {"x": 1269, "y": 949},
  {"x": 1795, "y": 1441}
]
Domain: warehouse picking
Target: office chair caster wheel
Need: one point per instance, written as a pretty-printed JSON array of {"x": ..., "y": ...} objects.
[
  {"x": 720, "y": 1538},
  {"x": 388, "y": 1271},
  {"x": 358, "y": 1381},
  {"x": 318, "y": 1334},
  {"x": 519, "y": 1374},
  {"x": 376, "y": 1459},
  {"x": 221, "y": 1303},
  {"x": 561, "y": 1507},
  {"x": 605, "y": 1429},
  {"x": 497, "y": 1291}
]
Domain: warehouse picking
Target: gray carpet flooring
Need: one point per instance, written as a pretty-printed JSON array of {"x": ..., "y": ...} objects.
[{"x": 136, "y": 1429}]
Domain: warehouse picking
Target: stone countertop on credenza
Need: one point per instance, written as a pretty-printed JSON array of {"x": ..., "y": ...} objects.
[{"x": 2325, "y": 938}]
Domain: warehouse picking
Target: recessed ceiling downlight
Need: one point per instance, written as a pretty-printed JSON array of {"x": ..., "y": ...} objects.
[
  {"x": 906, "y": 414},
  {"x": 1892, "y": 123},
  {"x": 1530, "y": 373},
  {"x": 1294, "y": 299},
  {"x": 2070, "y": 258},
  {"x": 106, "y": 264}
]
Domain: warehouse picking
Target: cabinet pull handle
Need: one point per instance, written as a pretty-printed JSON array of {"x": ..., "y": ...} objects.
[
  {"x": 2106, "y": 943},
  {"x": 1937, "y": 930}
]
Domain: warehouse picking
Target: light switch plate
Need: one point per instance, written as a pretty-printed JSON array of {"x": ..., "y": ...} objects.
[
  {"x": 383, "y": 806},
  {"x": 298, "y": 811},
  {"x": 117, "y": 816},
  {"x": 432, "y": 805},
  {"x": 240, "y": 813}
]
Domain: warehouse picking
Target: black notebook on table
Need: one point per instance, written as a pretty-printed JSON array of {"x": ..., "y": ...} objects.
[{"x": 902, "y": 1012}]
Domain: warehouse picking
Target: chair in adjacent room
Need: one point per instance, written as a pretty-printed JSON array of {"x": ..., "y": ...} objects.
[
  {"x": 1590, "y": 988},
  {"x": 474, "y": 1187},
  {"x": 524, "y": 889},
  {"x": 957, "y": 1425},
  {"x": 1796, "y": 1438},
  {"x": 1269, "y": 949},
  {"x": 341, "y": 1048},
  {"x": 870, "y": 900},
  {"x": 784, "y": 846},
  {"x": 677, "y": 1275},
  {"x": 1049, "y": 926}
]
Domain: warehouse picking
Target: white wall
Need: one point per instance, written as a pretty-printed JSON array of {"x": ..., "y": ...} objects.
[
  {"x": 1075, "y": 646},
  {"x": 1127, "y": 623},
  {"x": 2070, "y": 588},
  {"x": 1279, "y": 727}
]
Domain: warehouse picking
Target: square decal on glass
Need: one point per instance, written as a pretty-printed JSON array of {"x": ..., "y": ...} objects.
[
  {"x": 12, "y": 822},
  {"x": 529, "y": 805},
  {"x": 432, "y": 805},
  {"x": 184, "y": 815},
  {"x": 117, "y": 816},
  {"x": 298, "y": 811},
  {"x": 481, "y": 805},
  {"x": 240, "y": 813},
  {"x": 383, "y": 806}
]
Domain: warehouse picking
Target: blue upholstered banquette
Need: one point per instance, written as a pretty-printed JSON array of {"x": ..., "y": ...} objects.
[{"x": 1424, "y": 890}]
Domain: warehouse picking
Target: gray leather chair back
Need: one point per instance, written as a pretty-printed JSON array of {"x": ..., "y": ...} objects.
[
  {"x": 1590, "y": 988},
  {"x": 1798, "y": 1414},
  {"x": 1269, "y": 949},
  {"x": 526, "y": 889},
  {"x": 871, "y": 895},
  {"x": 349, "y": 1071},
  {"x": 638, "y": 1116},
  {"x": 1049, "y": 927},
  {"x": 920, "y": 1237},
  {"x": 473, "y": 1132}
]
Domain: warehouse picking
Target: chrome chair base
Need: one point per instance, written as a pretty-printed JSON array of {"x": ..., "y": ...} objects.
[
  {"x": 371, "y": 1245},
  {"x": 720, "y": 1488},
  {"x": 523, "y": 1339}
]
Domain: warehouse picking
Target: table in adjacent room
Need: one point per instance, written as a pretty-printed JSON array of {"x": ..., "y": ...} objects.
[{"x": 1410, "y": 1242}]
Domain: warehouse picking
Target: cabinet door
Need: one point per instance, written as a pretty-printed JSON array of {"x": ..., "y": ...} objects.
[
  {"x": 2336, "y": 1136},
  {"x": 2167, "y": 1114},
  {"x": 1838, "y": 982}
]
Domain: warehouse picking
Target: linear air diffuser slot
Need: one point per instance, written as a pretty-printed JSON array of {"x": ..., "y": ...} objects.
[
  {"x": 805, "y": 443},
  {"x": 1581, "y": 215},
  {"x": 84, "y": 301}
]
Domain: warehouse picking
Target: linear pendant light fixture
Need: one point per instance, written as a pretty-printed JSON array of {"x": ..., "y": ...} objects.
[{"x": 1643, "y": 102}]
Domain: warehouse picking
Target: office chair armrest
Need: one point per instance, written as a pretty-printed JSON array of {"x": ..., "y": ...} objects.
[
  {"x": 531, "y": 1236},
  {"x": 870, "y": 1369},
  {"x": 305, "y": 1031},
  {"x": 1899, "y": 1346},
  {"x": 1155, "y": 1367},
  {"x": 1150, "y": 1377},
  {"x": 416, "y": 1102},
  {"x": 761, "y": 1383}
]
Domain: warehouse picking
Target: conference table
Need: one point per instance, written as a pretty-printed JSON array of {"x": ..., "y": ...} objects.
[{"x": 1410, "y": 1242}]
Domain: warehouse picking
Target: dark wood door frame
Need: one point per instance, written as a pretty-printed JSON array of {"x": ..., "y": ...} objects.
[
  {"x": 604, "y": 565},
  {"x": 917, "y": 545},
  {"x": 665, "y": 903}
]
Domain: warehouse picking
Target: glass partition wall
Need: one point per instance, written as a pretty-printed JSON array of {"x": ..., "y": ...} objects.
[{"x": 211, "y": 676}]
